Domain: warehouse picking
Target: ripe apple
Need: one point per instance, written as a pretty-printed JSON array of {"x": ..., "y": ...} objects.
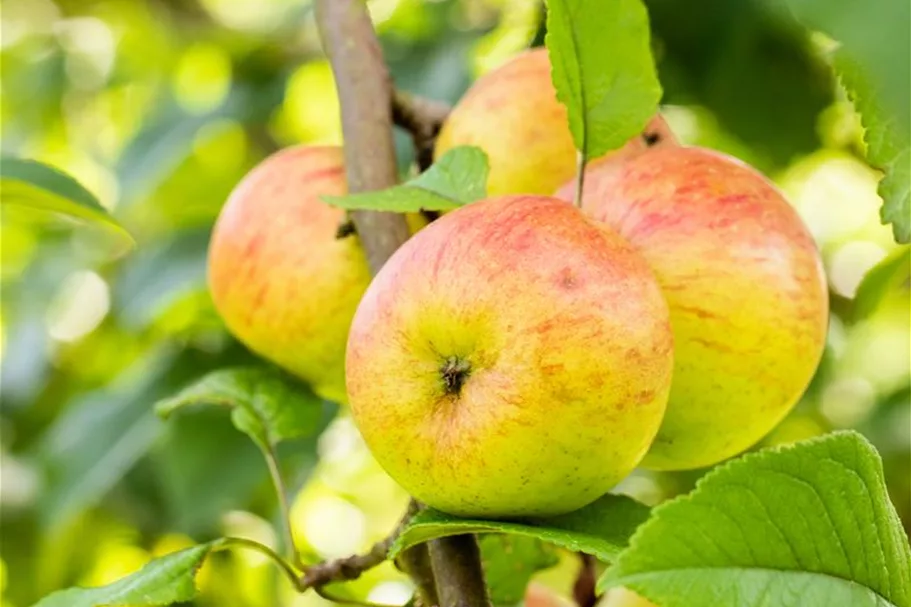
[
  {"x": 513, "y": 358},
  {"x": 746, "y": 290},
  {"x": 285, "y": 282},
  {"x": 621, "y": 597},
  {"x": 512, "y": 113}
]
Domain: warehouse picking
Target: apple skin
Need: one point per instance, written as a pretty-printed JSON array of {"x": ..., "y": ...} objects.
[
  {"x": 281, "y": 280},
  {"x": 513, "y": 114},
  {"x": 746, "y": 289},
  {"x": 554, "y": 338},
  {"x": 621, "y": 597}
]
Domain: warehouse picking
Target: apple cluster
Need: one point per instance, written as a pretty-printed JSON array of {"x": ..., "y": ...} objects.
[{"x": 519, "y": 356}]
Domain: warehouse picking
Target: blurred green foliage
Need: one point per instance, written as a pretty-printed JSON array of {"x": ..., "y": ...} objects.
[{"x": 160, "y": 106}]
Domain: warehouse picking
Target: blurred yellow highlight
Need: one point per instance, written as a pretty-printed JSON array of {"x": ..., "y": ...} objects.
[
  {"x": 310, "y": 113},
  {"x": 202, "y": 78}
]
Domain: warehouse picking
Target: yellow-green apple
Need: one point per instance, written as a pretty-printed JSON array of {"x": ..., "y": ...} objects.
[
  {"x": 513, "y": 114},
  {"x": 285, "y": 282},
  {"x": 746, "y": 291},
  {"x": 621, "y": 597},
  {"x": 512, "y": 358}
]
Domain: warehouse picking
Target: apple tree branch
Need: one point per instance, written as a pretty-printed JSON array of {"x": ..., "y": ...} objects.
[{"x": 366, "y": 98}]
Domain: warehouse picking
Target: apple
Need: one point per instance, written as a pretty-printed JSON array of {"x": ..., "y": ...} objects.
[
  {"x": 745, "y": 286},
  {"x": 539, "y": 595},
  {"x": 513, "y": 358},
  {"x": 621, "y": 597},
  {"x": 283, "y": 279},
  {"x": 513, "y": 114}
]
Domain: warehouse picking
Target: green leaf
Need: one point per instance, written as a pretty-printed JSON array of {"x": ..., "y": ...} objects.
[
  {"x": 265, "y": 403},
  {"x": 509, "y": 563},
  {"x": 39, "y": 186},
  {"x": 888, "y": 148},
  {"x": 888, "y": 275},
  {"x": 805, "y": 525},
  {"x": 193, "y": 446},
  {"x": 603, "y": 70},
  {"x": 601, "y": 529},
  {"x": 101, "y": 435},
  {"x": 163, "y": 581},
  {"x": 457, "y": 178},
  {"x": 873, "y": 62}
]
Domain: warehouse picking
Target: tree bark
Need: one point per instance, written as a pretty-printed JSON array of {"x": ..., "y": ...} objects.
[
  {"x": 456, "y": 563},
  {"x": 365, "y": 94}
]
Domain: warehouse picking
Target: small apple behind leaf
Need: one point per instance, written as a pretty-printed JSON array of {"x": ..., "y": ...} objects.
[
  {"x": 745, "y": 286},
  {"x": 513, "y": 358},
  {"x": 282, "y": 275},
  {"x": 621, "y": 597},
  {"x": 512, "y": 113}
]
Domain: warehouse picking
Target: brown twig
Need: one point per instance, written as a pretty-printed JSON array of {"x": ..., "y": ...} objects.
[
  {"x": 584, "y": 587},
  {"x": 415, "y": 562},
  {"x": 421, "y": 117},
  {"x": 351, "y": 567},
  {"x": 456, "y": 563}
]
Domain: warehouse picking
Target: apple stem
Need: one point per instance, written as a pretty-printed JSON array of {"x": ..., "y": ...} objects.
[
  {"x": 282, "y": 492},
  {"x": 580, "y": 178},
  {"x": 454, "y": 373}
]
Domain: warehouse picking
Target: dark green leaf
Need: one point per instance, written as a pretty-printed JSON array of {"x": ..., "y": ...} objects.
[
  {"x": 889, "y": 274},
  {"x": 509, "y": 563},
  {"x": 888, "y": 148},
  {"x": 603, "y": 70},
  {"x": 194, "y": 447},
  {"x": 601, "y": 529},
  {"x": 874, "y": 64},
  {"x": 33, "y": 184},
  {"x": 164, "y": 581},
  {"x": 806, "y": 525},
  {"x": 100, "y": 437},
  {"x": 265, "y": 403},
  {"x": 457, "y": 178},
  {"x": 753, "y": 71}
]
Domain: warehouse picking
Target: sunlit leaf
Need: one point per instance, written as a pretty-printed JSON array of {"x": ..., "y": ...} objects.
[
  {"x": 39, "y": 186},
  {"x": 164, "y": 581},
  {"x": 601, "y": 529},
  {"x": 603, "y": 70},
  {"x": 809, "y": 525},
  {"x": 457, "y": 178},
  {"x": 265, "y": 403}
]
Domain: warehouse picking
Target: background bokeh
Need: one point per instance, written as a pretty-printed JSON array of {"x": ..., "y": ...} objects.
[{"x": 160, "y": 106}]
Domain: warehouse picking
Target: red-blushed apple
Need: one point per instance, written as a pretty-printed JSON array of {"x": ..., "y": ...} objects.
[
  {"x": 745, "y": 285},
  {"x": 285, "y": 282},
  {"x": 513, "y": 114},
  {"x": 513, "y": 358}
]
